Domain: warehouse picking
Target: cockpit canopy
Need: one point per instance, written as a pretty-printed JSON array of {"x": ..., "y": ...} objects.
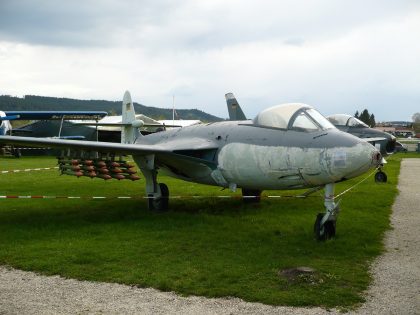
[
  {"x": 346, "y": 121},
  {"x": 294, "y": 116}
]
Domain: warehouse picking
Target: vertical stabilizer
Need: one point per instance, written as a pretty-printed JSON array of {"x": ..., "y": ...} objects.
[
  {"x": 129, "y": 133},
  {"x": 235, "y": 111}
]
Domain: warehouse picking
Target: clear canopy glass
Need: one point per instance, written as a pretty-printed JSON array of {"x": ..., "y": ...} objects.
[
  {"x": 346, "y": 120},
  {"x": 295, "y": 116}
]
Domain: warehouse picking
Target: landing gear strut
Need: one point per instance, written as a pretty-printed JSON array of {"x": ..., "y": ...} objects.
[
  {"x": 160, "y": 203},
  {"x": 325, "y": 223},
  {"x": 157, "y": 193}
]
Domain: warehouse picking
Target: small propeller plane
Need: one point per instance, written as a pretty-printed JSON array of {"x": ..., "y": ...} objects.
[{"x": 289, "y": 146}]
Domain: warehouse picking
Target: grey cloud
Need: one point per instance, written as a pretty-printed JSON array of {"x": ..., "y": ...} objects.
[
  {"x": 74, "y": 23},
  {"x": 168, "y": 26}
]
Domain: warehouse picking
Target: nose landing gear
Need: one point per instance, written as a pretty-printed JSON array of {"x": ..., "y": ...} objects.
[
  {"x": 380, "y": 176},
  {"x": 325, "y": 223}
]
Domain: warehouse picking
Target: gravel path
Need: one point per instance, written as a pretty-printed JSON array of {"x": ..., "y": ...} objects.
[{"x": 395, "y": 290}]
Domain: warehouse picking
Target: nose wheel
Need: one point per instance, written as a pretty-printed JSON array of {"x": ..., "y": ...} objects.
[
  {"x": 380, "y": 177},
  {"x": 324, "y": 231},
  {"x": 325, "y": 223}
]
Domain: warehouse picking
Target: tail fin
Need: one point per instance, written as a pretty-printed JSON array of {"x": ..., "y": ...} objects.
[
  {"x": 129, "y": 133},
  {"x": 235, "y": 111}
]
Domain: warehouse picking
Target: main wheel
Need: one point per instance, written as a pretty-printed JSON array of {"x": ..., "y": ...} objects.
[
  {"x": 251, "y": 195},
  {"x": 380, "y": 177},
  {"x": 161, "y": 203},
  {"x": 325, "y": 232},
  {"x": 16, "y": 153}
]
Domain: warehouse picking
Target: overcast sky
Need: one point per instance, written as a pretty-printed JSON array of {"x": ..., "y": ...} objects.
[{"x": 338, "y": 56}]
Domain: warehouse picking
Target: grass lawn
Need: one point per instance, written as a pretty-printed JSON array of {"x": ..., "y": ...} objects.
[{"x": 207, "y": 246}]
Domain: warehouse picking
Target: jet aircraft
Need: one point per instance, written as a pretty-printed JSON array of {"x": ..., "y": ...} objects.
[
  {"x": 384, "y": 141},
  {"x": 289, "y": 146},
  {"x": 7, "y": 116}
]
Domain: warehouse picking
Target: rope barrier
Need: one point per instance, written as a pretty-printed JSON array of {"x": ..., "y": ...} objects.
[
  {"x": 145, "y": 197},
  {"x": 170, "y": 197},
  {"x": 347, "y": 190},
  {"x": 29, "y": 170}
]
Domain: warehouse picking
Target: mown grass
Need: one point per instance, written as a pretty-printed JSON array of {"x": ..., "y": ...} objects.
[{"x": 211, "y": 247}]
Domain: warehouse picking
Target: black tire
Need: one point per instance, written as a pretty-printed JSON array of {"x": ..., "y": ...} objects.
[
  {"x": 251, "y": 195},
  {"x": 328, "y": 231},
  {"x": 329, "y": 228},
  {"x": 161, "y": 203},
  {"x": 16, "y": 153},
  {"x": 380, "y": 177}
]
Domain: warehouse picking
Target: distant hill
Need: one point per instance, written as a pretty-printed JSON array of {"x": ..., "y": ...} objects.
[{"x": 32, "y": 102}]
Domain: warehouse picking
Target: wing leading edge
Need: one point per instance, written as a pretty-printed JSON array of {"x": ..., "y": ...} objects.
[
  {"x": 195, "y": 150},
  {"x": 51, "y": 115},
  {"x": 84, "y": 145}
]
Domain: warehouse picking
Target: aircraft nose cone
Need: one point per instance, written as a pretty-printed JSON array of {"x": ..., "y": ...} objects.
[
  {"x": 356, "y": 160},
  {"x": 363, "y": 157}
]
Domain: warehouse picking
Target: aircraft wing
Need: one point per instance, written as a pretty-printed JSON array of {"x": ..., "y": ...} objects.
[
  {"x": 83, "y": 145},
  {"x": 373, "y": 140},
  {"x": 178, "y": 153},
  {"x": 53, "y": 115},
  {"x": 106, "y": 124}
]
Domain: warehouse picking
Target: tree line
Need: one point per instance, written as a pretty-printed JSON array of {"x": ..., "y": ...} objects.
[
  {"x": 368, "y": 119},
  {"x": 33, "y": 102}
]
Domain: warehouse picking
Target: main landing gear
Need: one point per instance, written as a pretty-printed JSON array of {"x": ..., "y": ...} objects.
[
  {"x": 325, "y": 223},
  {"x": 157, "y": 193},
  {"x": 159, "y": 203}
]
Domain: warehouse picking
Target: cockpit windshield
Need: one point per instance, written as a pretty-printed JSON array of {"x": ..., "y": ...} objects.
[
  {"x": 353, "y": 121},
  {"x": 295, "y": 116}
]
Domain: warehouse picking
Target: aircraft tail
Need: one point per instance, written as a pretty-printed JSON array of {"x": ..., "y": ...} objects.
[
  {"x": 130, "y": 131},
  {"x": 235, "y": 111}
]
